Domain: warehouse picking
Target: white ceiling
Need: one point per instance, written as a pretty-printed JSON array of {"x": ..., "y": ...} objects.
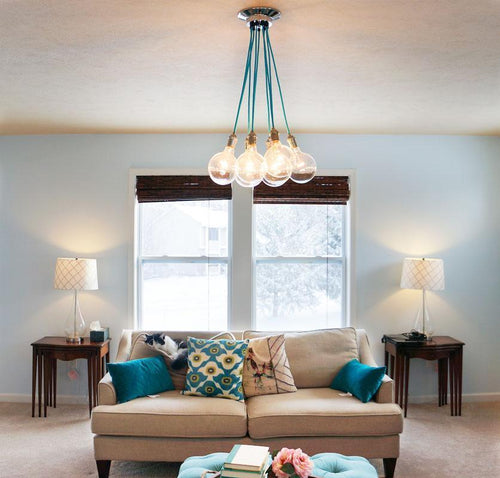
[{"x": 346, "y": 66}]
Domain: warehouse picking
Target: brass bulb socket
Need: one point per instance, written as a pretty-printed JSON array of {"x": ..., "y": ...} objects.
[
  {"x": 232, "y": 140},
  {"x": 291, "y": 141},
  {"x": 251, "y": 139},
  {"x": 274, "y": 135}
]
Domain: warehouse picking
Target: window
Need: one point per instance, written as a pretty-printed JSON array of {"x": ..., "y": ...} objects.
[
  {"x": 290, "y": 244},
  {"x": 299, "y": 258},
  {"x": 183, "y": 259},
  {"x": 299, "y": 266}
]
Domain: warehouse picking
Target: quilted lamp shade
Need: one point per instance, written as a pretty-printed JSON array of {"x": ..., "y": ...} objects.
[
  {"x": 426, "y": 274},
  {"x": 75, "y": 274}
]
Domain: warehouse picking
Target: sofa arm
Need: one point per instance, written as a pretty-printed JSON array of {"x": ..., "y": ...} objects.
[
  {"x": 107, "y": 392},
  {"x": 386, "y": 391}
]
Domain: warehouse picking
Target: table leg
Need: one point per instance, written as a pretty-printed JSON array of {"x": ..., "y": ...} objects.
[
  {"x": 49, "y": 383},
  {"x": 33, "y": 382},
  {"x": 459, "y": 373},
  {"x": 97, "y": 359},
  {"x": 54, "y": 380},
  {"x": 46, "y": 380},
  {"x": 89, "y": 373},
  {"x": 451, "y": 362},
  {"x": 391, "y": 368},
  {"x": 39, "y": 373},
  {"x": 407, "y": 379}
]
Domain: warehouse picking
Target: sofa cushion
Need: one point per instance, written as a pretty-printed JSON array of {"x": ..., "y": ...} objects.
[
  {"x": 265, "y": 368},
  {"x": 316, "y": 356},
  {"x": 172, "y": 415},
  {"x": 320, "y": 412},
  {"x": 215, "y": 368},
  {"x": 359, "y": 379}
]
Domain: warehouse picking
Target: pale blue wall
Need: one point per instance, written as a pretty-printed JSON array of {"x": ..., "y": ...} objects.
[{"x": 415, "y": 195}]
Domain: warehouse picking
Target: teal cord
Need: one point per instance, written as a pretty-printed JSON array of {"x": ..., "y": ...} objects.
[
  {"x": 279, "y": 84},
  {"x": 255, "y": 72},
  {"x": 249, "y": 97},
  {"x": 245, "y": 78},
  {"x": 269, "y": 85}
]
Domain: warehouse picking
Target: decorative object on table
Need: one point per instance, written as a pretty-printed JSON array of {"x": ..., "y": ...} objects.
[
  {"x": 75, "y": 274},
  {"x": 280, "y": 162},
  {"x": 246, "y": 461},
  {"x": 215, "y": 368},
  {"x": 266, "y": 370},
  {"x": 359, "y": 379},
  {"x": 423, "y": 274},
  {"x": 293, "y": 463},
  {"x": 97, "y": 332}
]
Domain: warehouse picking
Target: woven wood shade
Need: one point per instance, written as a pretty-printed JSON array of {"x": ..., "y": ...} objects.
[
  {"x": 320, "y": 190},
  {"x": 179, "y": 188}
]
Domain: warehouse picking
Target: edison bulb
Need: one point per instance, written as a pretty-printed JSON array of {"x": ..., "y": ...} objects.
[
  {"x": 249, "y": 167},
  {"x": 304, "y": 166},
  {"x": 278, "y": 164},
  {"x": 221, "y": 166}
]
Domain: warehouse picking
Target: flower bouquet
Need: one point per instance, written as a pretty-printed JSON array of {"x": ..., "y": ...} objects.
[{"x": 291, "y": 463}]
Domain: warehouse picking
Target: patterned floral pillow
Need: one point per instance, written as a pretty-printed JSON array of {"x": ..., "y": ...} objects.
[
  {"x": 266, "y": 370},
  {"x": 215, "y": 368}
]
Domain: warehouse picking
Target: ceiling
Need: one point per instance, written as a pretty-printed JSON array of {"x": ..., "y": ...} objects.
[{"x": 346, "y": 66}]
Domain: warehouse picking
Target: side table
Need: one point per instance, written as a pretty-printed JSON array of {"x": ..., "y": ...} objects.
[
  {"x": 46, "y": 353},
  {"x": 446, "y": 350}
]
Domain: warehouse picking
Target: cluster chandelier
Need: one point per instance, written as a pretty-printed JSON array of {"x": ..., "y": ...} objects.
[{"x": 280, "y": 162}]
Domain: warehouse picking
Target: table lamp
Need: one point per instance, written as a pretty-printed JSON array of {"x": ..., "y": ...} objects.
[
  {"x": 75, "y": 274},
  {"x": 424, "y": 274}
]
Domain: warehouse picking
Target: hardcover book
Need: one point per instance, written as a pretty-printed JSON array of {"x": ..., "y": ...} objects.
[{"x": 247, "y": 458}]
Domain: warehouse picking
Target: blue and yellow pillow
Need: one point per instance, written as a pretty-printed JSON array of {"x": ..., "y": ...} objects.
[{"x": 215, "y": 368}]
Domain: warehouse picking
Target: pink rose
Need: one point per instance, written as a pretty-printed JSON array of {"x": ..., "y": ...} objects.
[
  {"x": 302, "y": 463},
  {"x": 285, "y": 455}
]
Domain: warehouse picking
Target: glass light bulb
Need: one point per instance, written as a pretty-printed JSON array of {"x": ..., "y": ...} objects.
[
  {"x": 249, "y": 167},
  {"x": 278, "y": 164},
  {"x": 304, "y": 166},
  {"x": 221, "y": 166}
]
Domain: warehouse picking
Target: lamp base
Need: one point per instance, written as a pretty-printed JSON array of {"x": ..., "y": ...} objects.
[{"x": 74, "y": 340}]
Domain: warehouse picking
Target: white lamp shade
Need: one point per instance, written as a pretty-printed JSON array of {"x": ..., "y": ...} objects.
[
  {"x": 75, "y": 274},
  {"x": 423, "y": 273}
]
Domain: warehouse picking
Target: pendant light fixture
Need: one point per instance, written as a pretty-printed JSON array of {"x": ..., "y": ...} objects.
[{"x": 280, "y": 162}]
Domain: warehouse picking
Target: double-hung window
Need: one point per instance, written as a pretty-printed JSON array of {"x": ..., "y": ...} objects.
[
  {"x": 299, "y": 255},
  {"x": 294, "y": 277},
  {"x": 183, "y": 244}
]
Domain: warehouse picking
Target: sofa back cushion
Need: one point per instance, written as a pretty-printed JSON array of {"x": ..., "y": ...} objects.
[{"x": 316, "y": 356}]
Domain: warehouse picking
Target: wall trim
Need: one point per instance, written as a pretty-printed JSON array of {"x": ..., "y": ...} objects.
[{"x": 61, "y": 399}]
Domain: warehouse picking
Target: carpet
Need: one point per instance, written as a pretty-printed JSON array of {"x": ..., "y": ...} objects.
[{"x": 433, "y": 444}]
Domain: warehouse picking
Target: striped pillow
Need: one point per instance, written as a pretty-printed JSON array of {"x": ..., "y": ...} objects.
[{"x": 265, "y": 369}]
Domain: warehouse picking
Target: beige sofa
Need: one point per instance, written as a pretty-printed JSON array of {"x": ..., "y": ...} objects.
[{"x": 316, "y": 418}]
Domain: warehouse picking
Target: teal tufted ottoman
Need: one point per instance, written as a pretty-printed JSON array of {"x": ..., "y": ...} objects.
[{"x": 326, "y": 465}]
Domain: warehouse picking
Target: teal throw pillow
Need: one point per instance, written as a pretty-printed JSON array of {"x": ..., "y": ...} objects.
[
  {"x": 215, "y": 368},
  {"x": 141, "y": 377},
  {"x": 359, "y": 379}
]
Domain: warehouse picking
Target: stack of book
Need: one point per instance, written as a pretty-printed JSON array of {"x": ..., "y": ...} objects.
[{"x": 246, "y": 461}]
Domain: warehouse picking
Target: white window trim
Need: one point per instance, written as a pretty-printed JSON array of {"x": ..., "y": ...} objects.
[{"x": 241, "y": 289}]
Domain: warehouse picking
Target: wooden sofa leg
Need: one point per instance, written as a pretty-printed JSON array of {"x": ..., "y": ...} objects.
[
  {"x": 389, "y": 467},
  {"x": 103, "y": 467}
]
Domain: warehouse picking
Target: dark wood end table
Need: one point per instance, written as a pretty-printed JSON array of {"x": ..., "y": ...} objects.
[
  {"x": 46, "y": 353},
  {"x": 446, "y": 350}
]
